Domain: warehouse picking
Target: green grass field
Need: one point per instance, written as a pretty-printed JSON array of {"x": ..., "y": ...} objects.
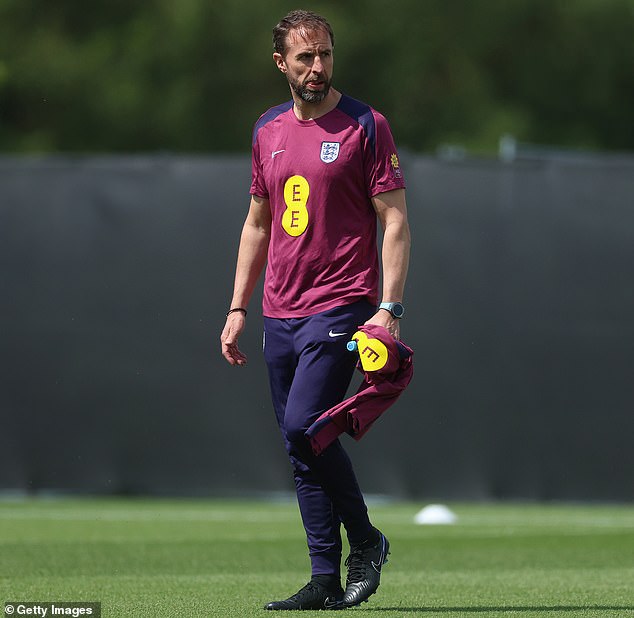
[{"x": 189, "y": 558}]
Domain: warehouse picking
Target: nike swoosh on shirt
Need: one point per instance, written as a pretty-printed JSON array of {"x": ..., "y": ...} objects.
[
  {"x": 276, "y": 152},
  {"x": 331, "y": 334}
]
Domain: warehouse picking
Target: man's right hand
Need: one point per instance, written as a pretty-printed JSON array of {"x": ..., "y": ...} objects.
[{"x": 229, "y": 339}]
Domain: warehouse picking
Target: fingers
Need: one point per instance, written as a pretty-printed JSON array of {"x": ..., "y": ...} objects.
[{"x": 234, "y": 356}]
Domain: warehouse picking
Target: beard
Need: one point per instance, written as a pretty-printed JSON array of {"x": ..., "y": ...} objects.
[{"x": 310, "y": 96}]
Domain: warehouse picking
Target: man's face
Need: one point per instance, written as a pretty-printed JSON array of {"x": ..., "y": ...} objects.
[{"x": 307, "y": 64}]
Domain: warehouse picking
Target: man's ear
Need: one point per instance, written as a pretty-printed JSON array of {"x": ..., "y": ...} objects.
[{"x": 279, "y": 61}]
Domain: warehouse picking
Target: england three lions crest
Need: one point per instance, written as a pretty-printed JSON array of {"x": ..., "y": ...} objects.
[{"x": 329, "y": 151}]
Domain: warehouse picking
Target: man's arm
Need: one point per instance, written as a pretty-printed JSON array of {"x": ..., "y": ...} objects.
[
  {"x": 391, "y": 209},
  {"x": 254, "y": 243}
]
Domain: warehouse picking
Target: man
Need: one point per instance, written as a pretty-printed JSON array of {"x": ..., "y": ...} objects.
[{"x": 324, "y": 168}]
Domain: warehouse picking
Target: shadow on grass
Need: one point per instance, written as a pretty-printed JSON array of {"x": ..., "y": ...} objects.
[{"x": 504, "y": 608}]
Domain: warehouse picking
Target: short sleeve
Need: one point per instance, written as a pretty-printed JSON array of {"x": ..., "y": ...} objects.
[
  {"x": 258, "y": 185},
  {"x": 385, "y": 173}
]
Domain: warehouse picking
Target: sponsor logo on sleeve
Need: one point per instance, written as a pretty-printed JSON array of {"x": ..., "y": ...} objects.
[{"x": 396, "y": 166}]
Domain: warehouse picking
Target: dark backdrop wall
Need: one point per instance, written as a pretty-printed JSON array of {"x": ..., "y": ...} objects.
[{"x": 116, "y": 273}]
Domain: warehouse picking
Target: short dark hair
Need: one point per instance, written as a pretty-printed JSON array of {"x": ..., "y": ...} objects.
[{"x": 299, "y": 20}]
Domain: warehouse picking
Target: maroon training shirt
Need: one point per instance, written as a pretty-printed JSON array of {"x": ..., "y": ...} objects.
[{"x": 319, "y": 176}]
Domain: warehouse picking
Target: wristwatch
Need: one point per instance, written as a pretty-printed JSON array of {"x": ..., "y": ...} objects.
[{"x": 396, "y": 309}]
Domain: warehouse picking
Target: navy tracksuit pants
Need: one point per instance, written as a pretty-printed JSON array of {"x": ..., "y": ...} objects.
[{"x": 310, "y": 370}]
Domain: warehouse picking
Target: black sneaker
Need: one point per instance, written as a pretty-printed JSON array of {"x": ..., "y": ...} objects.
[
  {"x": 312, "y": 596},
  {"x": 364, "y": 570}
]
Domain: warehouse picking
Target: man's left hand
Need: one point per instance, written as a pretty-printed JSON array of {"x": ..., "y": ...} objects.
[{"x": 385, "y": 319}]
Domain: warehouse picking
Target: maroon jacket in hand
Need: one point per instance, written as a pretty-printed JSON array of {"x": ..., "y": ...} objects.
[{"x": 387, "y": 367}]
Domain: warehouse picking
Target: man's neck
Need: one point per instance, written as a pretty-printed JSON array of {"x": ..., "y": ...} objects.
[{"x": 310, "y": 111}]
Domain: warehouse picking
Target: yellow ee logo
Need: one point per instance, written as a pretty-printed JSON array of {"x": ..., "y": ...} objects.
[
  {"x": 373, "y": 353},
  {"x": 295, "y": 217}
]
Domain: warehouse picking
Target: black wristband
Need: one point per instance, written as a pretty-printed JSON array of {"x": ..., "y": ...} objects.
[{"x": 237, "y": 309}]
